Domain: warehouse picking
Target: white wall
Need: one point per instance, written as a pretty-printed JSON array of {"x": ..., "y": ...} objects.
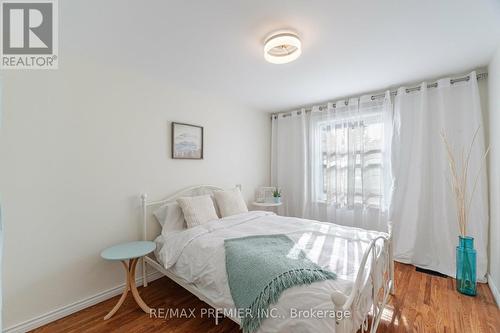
[
  {"x": 78, "y": 145},
  {"x": 494, "y": 173}
]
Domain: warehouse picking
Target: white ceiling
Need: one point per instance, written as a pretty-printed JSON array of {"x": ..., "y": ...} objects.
[{"x": 349, "y": 47}]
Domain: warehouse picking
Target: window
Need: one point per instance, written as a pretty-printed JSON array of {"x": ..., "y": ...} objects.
[{"x": 351, "y": 153}]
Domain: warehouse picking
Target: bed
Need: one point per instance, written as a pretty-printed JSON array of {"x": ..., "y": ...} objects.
[{"x": 362, "y": 259}]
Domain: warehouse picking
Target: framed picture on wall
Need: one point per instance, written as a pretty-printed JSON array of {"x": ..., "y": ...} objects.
[{"x": 187, "y": 141}]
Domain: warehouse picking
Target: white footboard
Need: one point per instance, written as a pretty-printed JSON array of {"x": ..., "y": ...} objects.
[{"x": 381, "y": 282}]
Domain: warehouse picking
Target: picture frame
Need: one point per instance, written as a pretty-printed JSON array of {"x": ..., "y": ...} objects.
[{"x": 187, "y": 141}]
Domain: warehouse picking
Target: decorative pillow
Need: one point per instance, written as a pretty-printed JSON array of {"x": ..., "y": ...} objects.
[
  {"x": 197, "y": 210},
  {"x": 230, "y": 202},
  {"x": 170, "y": 217}
]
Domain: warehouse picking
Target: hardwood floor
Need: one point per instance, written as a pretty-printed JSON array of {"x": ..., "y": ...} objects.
[{"x": 423, "y": 303}]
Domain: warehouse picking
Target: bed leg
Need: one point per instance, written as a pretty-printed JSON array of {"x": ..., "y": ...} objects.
[
  {"x": 391, "y": 269},
  {"x": 217, "y": 316},
  {"x": 393, "y": 284},
  {"x": 144, "y": 197}
]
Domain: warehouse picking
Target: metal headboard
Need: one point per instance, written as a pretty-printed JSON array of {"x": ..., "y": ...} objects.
[{"x": 187, "y": 192}]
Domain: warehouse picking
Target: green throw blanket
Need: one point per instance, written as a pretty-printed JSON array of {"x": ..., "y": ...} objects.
[{"x": 260, "y": 268}]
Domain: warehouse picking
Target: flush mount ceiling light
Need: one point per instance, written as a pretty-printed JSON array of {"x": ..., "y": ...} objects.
[{"x": 282, "y": 47}]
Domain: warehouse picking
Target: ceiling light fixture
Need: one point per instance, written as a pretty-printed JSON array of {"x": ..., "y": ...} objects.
[{"x": 282, "y": 47}]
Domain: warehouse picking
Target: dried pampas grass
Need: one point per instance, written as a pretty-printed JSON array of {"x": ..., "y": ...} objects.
[{"x": 459, "y": 169}]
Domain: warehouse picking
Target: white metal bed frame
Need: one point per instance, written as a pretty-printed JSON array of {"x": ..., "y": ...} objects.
[{"x": 379, "y": 295}]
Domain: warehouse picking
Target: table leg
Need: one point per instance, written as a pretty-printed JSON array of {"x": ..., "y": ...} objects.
[
  {"x": 133, "y": 288},
  {"x": 125, "y": 292},
  {"x": 129, "y": 285}
]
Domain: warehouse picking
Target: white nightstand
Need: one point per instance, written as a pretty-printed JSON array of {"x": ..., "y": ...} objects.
[{"x": 271, "y": 206}]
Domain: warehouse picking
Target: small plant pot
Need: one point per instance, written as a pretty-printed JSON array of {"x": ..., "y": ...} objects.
[{"x": 277, "y": 199}]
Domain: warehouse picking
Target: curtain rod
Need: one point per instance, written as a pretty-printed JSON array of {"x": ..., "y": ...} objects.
[{"x": 480, "y": 76}]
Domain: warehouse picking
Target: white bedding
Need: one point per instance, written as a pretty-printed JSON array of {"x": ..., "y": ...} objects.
[{"x": 197, "y": 255}]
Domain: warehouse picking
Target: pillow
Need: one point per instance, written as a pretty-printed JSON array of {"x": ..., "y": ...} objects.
[
  {"x": 170, "y": 217},
  {"x": 217, "y": 210},
  {"x": 230, "y": 202},
  {"x": 197, "y": 210}
]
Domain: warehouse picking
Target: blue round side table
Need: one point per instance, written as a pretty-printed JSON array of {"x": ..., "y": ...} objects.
[{"x": 130, "y": 252}]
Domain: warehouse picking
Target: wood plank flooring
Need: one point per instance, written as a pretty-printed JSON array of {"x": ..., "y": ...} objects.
[{"x": 423, "y": 303}]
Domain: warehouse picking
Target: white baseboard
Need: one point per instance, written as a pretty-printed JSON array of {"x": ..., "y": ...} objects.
[
  {"x": 64, "y": 311},
  {"x": 494, "y": 290}
]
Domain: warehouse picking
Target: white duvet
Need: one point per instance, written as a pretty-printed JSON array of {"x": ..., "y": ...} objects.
[{"x": 197, "y": 255}]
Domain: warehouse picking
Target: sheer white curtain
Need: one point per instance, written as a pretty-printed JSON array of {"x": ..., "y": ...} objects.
[
  {"x": 423, "y": 211},
  {"x": 334, "y": 164},
  {"x": 350, "y": 169}
]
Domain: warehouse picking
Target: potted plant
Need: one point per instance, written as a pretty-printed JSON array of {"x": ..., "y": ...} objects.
[
  {"x": 277, "y": 195},
  {"x": 465, "y": 252}
]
